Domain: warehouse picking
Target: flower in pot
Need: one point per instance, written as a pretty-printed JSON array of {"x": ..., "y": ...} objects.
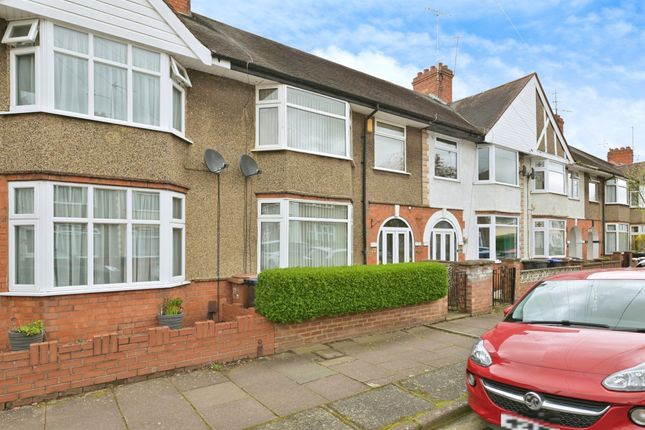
[
  {"x": 171, "y": 313},
  {"x": 20, "y": 338}
]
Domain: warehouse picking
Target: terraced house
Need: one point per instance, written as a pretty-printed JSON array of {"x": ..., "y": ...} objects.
[{"x": 107, "y": 206}]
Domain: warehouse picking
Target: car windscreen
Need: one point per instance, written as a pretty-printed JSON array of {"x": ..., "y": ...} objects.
[{"x": 613, "y": 304}]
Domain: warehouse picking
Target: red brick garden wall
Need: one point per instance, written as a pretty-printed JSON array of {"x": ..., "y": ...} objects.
[{"x": 288, "y": 336}]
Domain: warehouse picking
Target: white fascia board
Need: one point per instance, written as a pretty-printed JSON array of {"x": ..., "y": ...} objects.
[{"x": 200, "y": 51}]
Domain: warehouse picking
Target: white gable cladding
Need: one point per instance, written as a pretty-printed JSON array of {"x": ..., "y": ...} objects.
[
  {"x": 516, "y": 128},
  {"x": 146, "y": 22}
]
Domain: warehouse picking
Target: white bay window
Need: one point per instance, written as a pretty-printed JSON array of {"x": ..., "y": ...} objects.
[
  {"x": 81, "y": 74},
  {"x": 549, "y": 177},
  {"x": 298, "y": 233},
  {"x": 616, "y": 237},
  {"x": 549, "y": 238},
  {"x": 496, "y": 164},
  {"x": 93, "y": 238},
  {"x": 291, "y": 118},
  {"x": 498, "y": 237},
  {"x": 616, "y": 191}
]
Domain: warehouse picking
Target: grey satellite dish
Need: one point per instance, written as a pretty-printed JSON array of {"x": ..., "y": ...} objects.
[
  {"x": 214, "y": 161},
  {"x": 248, "y": 166}
]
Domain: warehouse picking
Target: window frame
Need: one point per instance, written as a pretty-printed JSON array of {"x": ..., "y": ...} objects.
[
  {"x": 546, "y": 168},
  {"x": 446, "y": 145},
  {"x": 29, "y": 38},
  {"x": 44, "y": 221},
  {"x": 404, "y": 140},
  {"x": 13, "y": 91},
  {"x": 45, "y": 80},
  {"x": 573, "y": 178},
  {"x": 492, "y": 166},
  {"x": 616, "y": 231},
  {"x": 283, "y": 219},
  {"x": 492, "y": 232},
  {"x": 617, "y": 183},
  {"x": 282, "y": 104},
  {"x": 547, "y": 228},
  {"x": 640, "y": 197},
  {"x": 179, "y": 74},
  {"x": 596, "y": 185}
]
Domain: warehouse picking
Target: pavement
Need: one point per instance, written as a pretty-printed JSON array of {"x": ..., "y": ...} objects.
[{"x": 406, "y": 379}]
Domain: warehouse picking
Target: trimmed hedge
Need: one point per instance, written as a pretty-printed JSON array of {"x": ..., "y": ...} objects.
[{"x": 299, "y": 294}]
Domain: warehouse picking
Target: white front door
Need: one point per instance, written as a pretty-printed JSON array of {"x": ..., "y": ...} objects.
[
  {"x": 395, "y": 245},
  {"x": 443, "y": 245}
]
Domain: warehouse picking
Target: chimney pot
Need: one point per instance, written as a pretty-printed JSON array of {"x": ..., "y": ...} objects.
[
  {"x": 621, "y": 156},
  {"x": 179, "y": 6},
  {"x": 436, "y": 81}
]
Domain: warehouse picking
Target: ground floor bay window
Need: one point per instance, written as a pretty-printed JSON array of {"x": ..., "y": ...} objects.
[
  {"x": 303, "y": 233},
  {"x": 616, "y": 238},
  {"x": 549, "y": 238},
  {"x": 84, "y": 238},
  {"x": 498, "y": 236}
]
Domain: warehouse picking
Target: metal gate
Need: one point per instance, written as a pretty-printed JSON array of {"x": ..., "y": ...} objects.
[
  {"x": 503, "y": 285},
  {"x": 456, "y": 289}
]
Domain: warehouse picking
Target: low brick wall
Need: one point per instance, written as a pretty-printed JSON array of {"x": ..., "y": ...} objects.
[
  {"x": 51, "y": 368},
  {"x": 288, "y": 336}
]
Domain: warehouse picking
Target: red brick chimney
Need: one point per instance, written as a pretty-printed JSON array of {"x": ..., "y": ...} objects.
[
  {"x": 560, "y": 121},
  {"x": 179, "y": 6},
  {"x": 621, "y": 156},
  {"x": 437, "y": 80}
]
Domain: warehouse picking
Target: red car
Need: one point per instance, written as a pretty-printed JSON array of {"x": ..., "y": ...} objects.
[{"x": 569, "y": 355}]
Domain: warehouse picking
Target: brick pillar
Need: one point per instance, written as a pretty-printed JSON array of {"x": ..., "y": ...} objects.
[{"x": 479, "y": 286}]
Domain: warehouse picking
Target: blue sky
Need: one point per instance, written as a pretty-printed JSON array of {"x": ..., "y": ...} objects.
[{"x": 591, "y": 52}]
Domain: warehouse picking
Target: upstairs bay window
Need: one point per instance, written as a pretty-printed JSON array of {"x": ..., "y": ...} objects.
[
  {"x": 297, "y": 233},
  {"x": 389, "y": 147},
  {"x": 84, "y": 238},
  {"x": 637, "y": 198},
  {"x": 549, "y": 177},
  {"x": 291, "y": 118},
  {"x": 549, "y": 238},
  {"x": 495, "y": 164},
  {"x": 616, "y": 191},
  {"x": 81, "y": 74}
]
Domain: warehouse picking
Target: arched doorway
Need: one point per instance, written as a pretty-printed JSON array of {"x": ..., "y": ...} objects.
[
  {"x": 575, "y": 242},
  {"x": 395, "y": 242},
  {"x": 593, "y": 247},
  {"x": 443, "y": 241}
]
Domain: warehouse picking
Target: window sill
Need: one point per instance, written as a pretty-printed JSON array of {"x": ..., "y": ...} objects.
[
  {"x": 69, "y": 292},
  {"x": 400, "y": 172},
  {"x": 616, "y": 204},
  {"x": 548, "y": 192},
  {"x": 97, "y": 119},
  {"x": 594, "y": 201},
  {"x": 496, "y": 183},
  {"x": 441, "y": 178},
  {"x": 281, "y": 148}
]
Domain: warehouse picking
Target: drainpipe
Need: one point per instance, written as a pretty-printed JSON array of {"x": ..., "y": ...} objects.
[
  {"x": 602, "y": 252},
  {"x": 364, "y": 183}
]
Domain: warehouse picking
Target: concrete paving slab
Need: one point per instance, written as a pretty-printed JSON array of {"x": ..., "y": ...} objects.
[
  {"x": 448, "y": 383},
  {"x": 309, "y": 349},
  {"x": 197, "y": 379},
  {"x": 319, "y": 419},
  {"x": 156, "y": 404},
  {"x": 24, "y": 418},
  {"x": 336, "y": 387},
  {"x": 362, "y": 370},
  {"x": 285, "y": 398},
  {"x": 215, "y": 395},
  {"x": 97, "y": 410},
  {"x": 336, "y": 361},
  {"x": 368, "y": 411},
  {"x": 235, "y": 415},
  {"x": 305, "y": 371},
  {"x": 329, "y": 354}
]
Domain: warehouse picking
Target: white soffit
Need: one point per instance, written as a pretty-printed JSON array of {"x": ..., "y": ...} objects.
[{"x": 146, "y": 22}]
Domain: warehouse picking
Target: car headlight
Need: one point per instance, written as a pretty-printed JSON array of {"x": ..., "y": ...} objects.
[
  {"x": 627, "y": 380},
  {"x": 480, "y": 356}
]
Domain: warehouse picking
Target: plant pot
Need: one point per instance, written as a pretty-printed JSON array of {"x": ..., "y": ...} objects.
[
  {"x": 21, "y": 342},
  {"x": 172, "y": 321}
]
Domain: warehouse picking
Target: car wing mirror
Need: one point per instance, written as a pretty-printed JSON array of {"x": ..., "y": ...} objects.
[{"x": 507, "y": 310}]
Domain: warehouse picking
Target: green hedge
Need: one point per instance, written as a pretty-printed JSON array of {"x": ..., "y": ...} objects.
[{"x": 300, "y": 294}]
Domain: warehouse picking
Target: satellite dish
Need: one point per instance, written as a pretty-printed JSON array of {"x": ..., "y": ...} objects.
[
  {"x": 248, "y": 166},
  {"x": 214, "y": 161}
]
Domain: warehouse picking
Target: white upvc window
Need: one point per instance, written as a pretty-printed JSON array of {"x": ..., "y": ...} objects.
[
  {"x": 21, "y": 32},
  {"x": 303, "y": 233},
  {"x": 593, "y": 190},
  {"x": 79, "y": 238},
  {"x": 446, "y": 160},
  {"x": 300, "y": 120},
  {"x": 573, "y": 185},
  {"x": 635, "y": 232},
  {"x": 616, "y": 191},
  {"x": 497, "y": 165},
  {"x": 549, "y": 238},
  {"x": 637, "y": 198},
  {"x": 616, "y": 237},
  {"x": 549, "y": 177},
  {"x": 77, "y": 73},
  {"x": 498, "y": 237},
  {"x": 389, "y": 147}
]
